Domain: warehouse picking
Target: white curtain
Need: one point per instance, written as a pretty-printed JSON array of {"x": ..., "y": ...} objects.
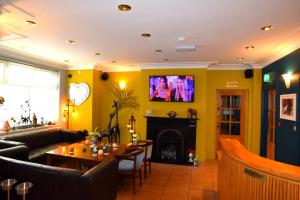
[{"x": 28, "y": 90}]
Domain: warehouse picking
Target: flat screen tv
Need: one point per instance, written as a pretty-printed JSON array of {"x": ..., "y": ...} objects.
[{"x": 171, "y": 88}]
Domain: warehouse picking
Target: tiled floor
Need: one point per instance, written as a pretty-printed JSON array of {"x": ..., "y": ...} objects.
[{"x": 174, "y": 182}]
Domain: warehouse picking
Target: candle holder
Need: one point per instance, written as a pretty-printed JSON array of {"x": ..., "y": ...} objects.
[
  {"x": 131, "y": 127},
  {"x": 23, "y": 189},
  {"x": 7, "y": 184}
]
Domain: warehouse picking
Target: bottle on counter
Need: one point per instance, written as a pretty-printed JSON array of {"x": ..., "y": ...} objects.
[{"x": 34, "y": 120}]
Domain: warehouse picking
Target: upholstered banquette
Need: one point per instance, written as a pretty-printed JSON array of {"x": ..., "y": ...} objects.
[
  {"x": 54, "y": 183},
  {"x": 41, "y": 141}
]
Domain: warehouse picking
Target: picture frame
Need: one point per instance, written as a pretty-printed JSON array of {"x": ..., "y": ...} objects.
[{"x": 288, "y": 106}]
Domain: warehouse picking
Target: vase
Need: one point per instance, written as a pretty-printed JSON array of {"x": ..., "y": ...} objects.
[{"x": 94, "y": 141}]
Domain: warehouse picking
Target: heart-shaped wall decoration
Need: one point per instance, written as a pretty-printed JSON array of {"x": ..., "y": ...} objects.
[{"x": 78, "y": 93}]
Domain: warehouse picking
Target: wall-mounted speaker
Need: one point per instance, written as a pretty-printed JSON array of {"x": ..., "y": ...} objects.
[
  {"x": 104, "y": 76},
  {"x": 248, "y": 73}
]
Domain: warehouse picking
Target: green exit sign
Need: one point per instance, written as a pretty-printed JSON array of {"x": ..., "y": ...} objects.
[{"x": 267, "y": 78}]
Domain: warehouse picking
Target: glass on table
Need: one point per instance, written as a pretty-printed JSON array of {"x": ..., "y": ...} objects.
[
  {"x": 7, "y": 184},
  {"x": 23, "y": 189}
]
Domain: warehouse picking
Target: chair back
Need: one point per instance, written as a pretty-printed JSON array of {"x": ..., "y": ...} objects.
[
  {"x": 139, "y": 159},
  {"x": 149, "y": 150},
  {"x": 147, "y": 145}
]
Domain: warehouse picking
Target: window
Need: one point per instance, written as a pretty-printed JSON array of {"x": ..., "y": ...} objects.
[
  {"x": 1, "y": 72},
  {"x": 28, "y": 90}
]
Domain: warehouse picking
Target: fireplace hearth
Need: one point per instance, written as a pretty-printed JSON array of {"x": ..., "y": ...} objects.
[{"x": 173, "y": 139}]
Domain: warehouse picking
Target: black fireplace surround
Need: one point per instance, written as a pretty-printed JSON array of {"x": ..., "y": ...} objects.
[{"x": 173, "y": 139}]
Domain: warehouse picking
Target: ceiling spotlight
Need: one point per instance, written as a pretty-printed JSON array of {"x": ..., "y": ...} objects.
[
  {"x": 158, "y": 50},
  {"x": 240, "y": 58},
  {"x": 70, "y": 41},
  {"x": 166, "y": 59},
  {"x": 249, "y": 47},
  {"x": 267, "y": 28},
  {"x": 181, "y": 39},
  {"x": 29, "y": 22},
  {"x": 146, "y": 35},
  {"x": 124, "y": 7},
  {"x": 114, "y": 61},
  {"x": 97, "y": 54}
]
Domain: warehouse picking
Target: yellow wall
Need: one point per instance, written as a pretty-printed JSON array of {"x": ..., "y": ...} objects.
[
  {"x": 82, "y": 118},
  {"x": 95, "y": 111},
  {"x": 132, "y": 80},
  {"x": 97, "y": 97},
  {"x": 217, "y": 81}
]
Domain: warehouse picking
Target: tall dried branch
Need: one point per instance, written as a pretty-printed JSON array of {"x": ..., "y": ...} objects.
[{"x": 124, "y": 97}]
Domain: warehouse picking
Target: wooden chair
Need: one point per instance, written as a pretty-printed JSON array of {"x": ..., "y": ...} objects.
[
  {"x": 131, "y": 163},
  {"x": 147, "y": 145}
]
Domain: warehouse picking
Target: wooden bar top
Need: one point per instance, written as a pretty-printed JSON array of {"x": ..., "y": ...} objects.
[{"x": 234, "y": 149}]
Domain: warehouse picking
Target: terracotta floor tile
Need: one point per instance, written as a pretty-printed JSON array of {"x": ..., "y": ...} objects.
[
  {"x": 174, "y": 182},
  {"x": 177, "y": 188},
  {"x": 124, "y": 197},
  {"x": 174, "y": 196},
  {"x": 183, "y": 178},
  {"x": 209, "y": 195},
  {"x": 196, "y": 198}
]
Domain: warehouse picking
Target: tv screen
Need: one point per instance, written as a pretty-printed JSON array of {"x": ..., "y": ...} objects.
[{"x": 171, "y": 88}]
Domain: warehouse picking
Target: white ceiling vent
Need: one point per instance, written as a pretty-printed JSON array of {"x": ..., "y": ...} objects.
[{"x": 191, "y": 47}]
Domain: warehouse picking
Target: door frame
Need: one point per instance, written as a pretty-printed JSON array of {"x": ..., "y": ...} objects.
[
  {"x": 243, "y": 117},
  {"x": 268, "y": 147}
]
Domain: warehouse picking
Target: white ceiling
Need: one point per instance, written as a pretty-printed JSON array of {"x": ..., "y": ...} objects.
[{"x": 221, "y": 29}]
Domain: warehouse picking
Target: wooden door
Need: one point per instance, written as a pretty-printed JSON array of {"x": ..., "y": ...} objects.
[
  {"x": 271, "y": 124},
  {"x": 230, "y": 115}
]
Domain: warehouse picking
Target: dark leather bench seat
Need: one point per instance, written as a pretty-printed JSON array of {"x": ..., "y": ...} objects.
[
  {"x": 39, "y": 142},
  {"x": 54, "y": 183}
]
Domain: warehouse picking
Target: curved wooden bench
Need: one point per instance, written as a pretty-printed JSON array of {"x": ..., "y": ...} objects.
[{"x": 243, "y": 175}]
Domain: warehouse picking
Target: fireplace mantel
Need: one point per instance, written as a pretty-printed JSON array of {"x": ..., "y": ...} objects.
[
  {"x": 171, "y": 118},
  {"x": 173, "y": 138}
]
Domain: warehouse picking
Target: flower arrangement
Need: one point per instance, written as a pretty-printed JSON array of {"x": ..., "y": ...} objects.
[
  {"x": 94, "y": 139},
  {"x": 95, "y": 133}
]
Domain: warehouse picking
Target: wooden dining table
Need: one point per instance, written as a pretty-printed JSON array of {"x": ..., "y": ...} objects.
[{"x": 80, "y": 153}]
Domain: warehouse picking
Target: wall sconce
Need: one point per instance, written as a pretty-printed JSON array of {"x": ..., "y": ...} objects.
[
  {"x": 67, "y": 111},
  {"x": 131, "y": 128},
  {"x": 122, "y": 85},
  {"x": 287, "y": 79}
]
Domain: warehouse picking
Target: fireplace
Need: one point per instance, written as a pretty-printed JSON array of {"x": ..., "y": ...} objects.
[{"x": 173, "y": 139}]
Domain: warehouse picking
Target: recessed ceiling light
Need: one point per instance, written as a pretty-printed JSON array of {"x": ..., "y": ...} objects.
[
  {"x": 166, "y": 59},
  {"x": 240, "y": 58},
  {"x": 146, "y": 35},
  {"x": 29, "y": 22},
  {"x": 267, "y": 28},
  {"x": 124, "y": 7},
  {"x": 250, "y": 47},
  {"x": 113, "y": 61},
  {"x": 97, "y": 54},
  {"x": 70, "y": 41},
  {"x": 181, "y": 39},
  {"x": 158, "y": 50},
  {"x": 66, "y": 61}
]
